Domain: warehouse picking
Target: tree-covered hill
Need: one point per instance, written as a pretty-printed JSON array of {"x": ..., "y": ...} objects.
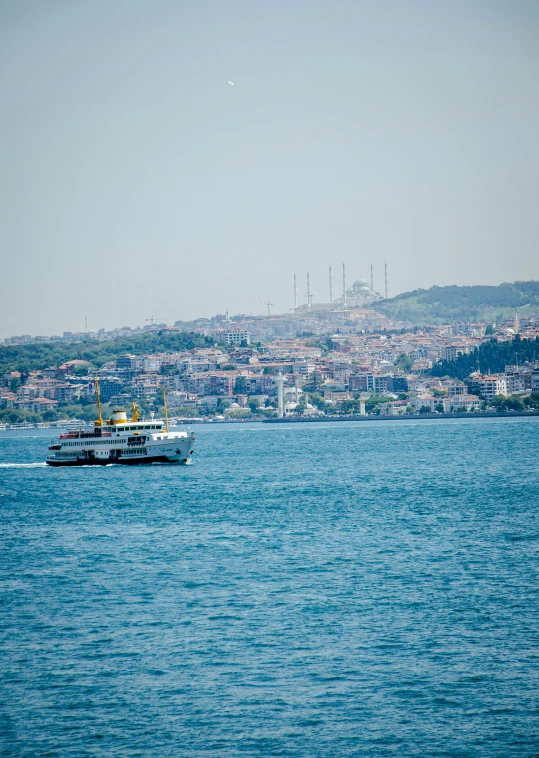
[
  {"x": 479, "y": 303},
  {"x": 50, "y": 354},
  {"x": 491, "y": 356}
]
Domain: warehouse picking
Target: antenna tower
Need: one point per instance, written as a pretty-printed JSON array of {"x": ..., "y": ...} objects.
[
  {"x": 385, "y": 267},
  {"x": 309, "y": 302},
  {"x": 344, "y": 284},
  {"x": 295, "y": 294},
  {"x": 372, "y": 280},
  {"x": 330, "y": 288}
]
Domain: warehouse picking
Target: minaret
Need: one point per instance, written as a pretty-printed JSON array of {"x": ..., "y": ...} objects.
[
  {"x": 385, "y": 268},
  {"x": 330, "y": 288},
  {"x": 279, "y": 381},
  {"x": 516, "y": 324},
  {"x": 344, "y": 284},
  {"x": 295, "y": 295},
  {"x": 372, "y": 280}
]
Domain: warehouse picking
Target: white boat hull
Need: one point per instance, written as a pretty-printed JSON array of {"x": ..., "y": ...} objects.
[{"x": 167, "y": 447}]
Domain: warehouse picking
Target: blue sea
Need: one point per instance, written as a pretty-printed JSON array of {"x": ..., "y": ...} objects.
[{"x": 320, "y": 589}]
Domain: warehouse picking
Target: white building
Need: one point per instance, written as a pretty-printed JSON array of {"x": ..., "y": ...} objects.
[
  {"x": 237, "y": 337},
  {"x": 424, "y": 401},
  {"x": 490, "y": 386},
  {"x": 395, "y": 408},
  {"x": 461, "y": 403}
]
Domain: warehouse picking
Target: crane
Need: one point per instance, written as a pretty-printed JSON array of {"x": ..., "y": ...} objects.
[
  {"x": 152, "y": 320},
  {"x": 267, "y": 304}
]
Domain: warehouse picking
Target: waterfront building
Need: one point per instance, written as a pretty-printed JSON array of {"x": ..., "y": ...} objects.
[
  {"x": 393, "y": 408},
  {"x": 461, "y": 403},
  {"x": 487, "y": 386}
]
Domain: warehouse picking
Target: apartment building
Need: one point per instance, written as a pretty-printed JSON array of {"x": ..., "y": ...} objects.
[
  {"x": 212, "y": 383},
  {"x": 237, "y": 337},
  {"x": 487, "y": 386}
]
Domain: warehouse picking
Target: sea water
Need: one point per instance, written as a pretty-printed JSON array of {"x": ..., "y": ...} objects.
[{"x": 321, "y": 589}]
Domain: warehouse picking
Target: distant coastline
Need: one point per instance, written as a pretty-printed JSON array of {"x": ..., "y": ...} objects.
[{"x": 403, "y": 417}]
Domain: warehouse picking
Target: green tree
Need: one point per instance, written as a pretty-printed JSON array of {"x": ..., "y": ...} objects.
[
  {"x": 532, "y": 401},
  {"x": 185, "y": 411},
  {"x": 439, "y": 393},
  {"x": 83, "y": 370},
  {"x": 254, "y": 405},
  {"x": 511, "y": 403},
  {"x": 318, "y": 401},
  {"x": 240, "y": 385},
  {"x": 404, "y": 363},
  {"x": 491, "y": 356},
  {"x": 350, "y": 407},
  {"x": 372, "y": 405},
  {"x": 36, "y": 356}
]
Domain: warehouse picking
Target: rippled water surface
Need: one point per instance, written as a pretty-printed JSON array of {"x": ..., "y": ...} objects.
[{"x": 365, "y": 589}]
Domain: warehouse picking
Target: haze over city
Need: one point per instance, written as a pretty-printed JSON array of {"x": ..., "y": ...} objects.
[{"x": 137, "y": 182}]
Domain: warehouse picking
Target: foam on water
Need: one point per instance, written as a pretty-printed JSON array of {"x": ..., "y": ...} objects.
[{"x": 39, "y": 464}]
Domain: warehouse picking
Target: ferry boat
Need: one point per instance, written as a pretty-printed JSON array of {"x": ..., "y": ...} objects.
[{"x": 122, "y": 440}]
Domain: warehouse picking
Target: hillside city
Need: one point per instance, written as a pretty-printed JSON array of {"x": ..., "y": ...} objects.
[{"x": 344, "y": 358}]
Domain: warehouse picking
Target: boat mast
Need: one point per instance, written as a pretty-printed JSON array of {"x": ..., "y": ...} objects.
[
  {"x": 136, "y": 414},
  {"x": 165, "y": 404},
  {"x": 99, "y": 421}
]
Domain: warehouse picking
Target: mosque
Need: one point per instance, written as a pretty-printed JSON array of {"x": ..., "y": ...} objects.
[{"x": 358, "y": 295}]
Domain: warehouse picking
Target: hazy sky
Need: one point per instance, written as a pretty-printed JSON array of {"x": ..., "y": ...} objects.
[{"x": 135, "y": 182}]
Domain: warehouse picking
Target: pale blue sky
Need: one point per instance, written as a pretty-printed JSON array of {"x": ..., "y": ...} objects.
[{"x": 134, "y": 182}]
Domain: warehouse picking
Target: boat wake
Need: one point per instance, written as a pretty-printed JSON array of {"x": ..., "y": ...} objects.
[{"x": 23, "y": 465}]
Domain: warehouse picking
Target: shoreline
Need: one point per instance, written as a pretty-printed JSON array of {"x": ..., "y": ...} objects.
[
  {"x": 404, "y": 417},
  {"x": 316, "y": 419}
]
